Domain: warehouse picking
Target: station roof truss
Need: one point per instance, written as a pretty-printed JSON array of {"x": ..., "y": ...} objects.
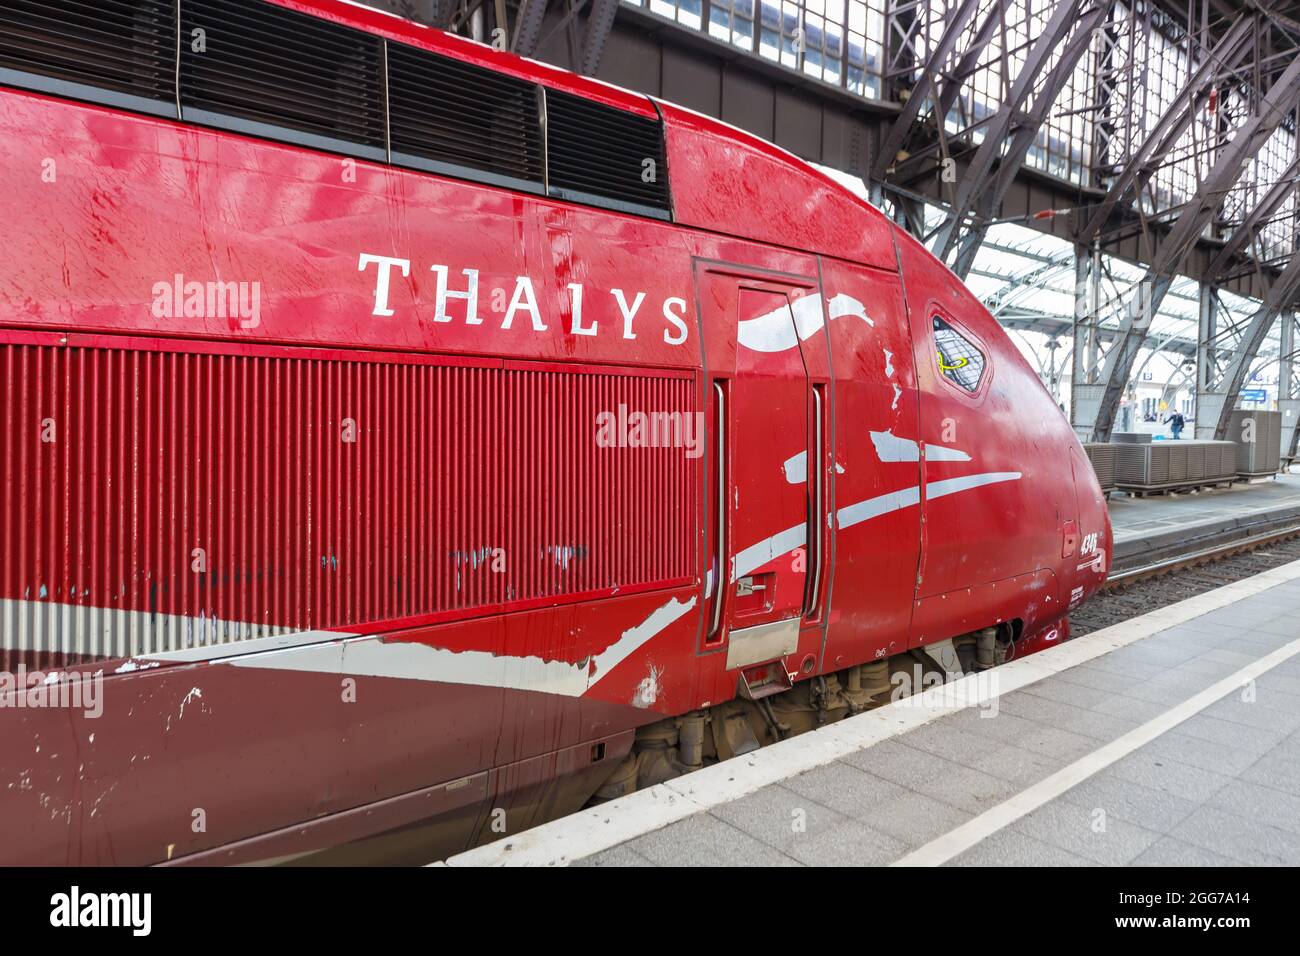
[{"x": 1157, "y": 140}]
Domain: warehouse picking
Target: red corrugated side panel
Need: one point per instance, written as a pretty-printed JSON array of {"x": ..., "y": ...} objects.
[{"x": 157, "y": 499}]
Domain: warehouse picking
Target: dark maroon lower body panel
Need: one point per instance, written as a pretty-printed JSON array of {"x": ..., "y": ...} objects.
[
  {"x": 432, "y": 823},
  {"x": 265, "y": 763},
  {"x": 239, "y": 762}
]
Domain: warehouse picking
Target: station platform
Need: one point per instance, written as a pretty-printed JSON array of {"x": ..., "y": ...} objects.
[
  {"x": 1151, "y": 528},
  {"x": 1170, "y": 739}
]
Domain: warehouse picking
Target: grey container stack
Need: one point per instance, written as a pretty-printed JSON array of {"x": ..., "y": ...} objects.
[
  {"x": 1258, "y": 435},
  {"x": 1171, "y": 465},
  {"x": 1102, "y": 457}
]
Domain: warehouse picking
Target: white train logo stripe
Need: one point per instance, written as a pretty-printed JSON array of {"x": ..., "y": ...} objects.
[{"x": 773, "y": 331}]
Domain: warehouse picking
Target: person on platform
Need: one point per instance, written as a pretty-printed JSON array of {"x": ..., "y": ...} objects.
[{"x": 1176, "y": 423}]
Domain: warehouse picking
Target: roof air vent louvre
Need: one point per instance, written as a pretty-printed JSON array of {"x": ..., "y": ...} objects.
[
  {"x": 119, "y": 52},
  {"x": 461, "y": 120},
  {"x": 599, "y": 155},
  {"x": 268, "y": 71}
]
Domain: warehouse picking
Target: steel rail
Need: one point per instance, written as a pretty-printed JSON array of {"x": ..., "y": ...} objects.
[{"x": 1203, "y": 556}]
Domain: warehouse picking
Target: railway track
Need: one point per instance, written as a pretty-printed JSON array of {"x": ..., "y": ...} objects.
[
  {"x": 1137, "y": 590},
  {"x": 1200, "y": 557}
]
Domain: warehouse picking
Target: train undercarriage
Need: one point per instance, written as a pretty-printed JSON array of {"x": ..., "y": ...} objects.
[{"x": 675, "y": 746}]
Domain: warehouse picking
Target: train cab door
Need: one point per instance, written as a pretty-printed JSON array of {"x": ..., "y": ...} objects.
[{"x": 767, "y": 503}]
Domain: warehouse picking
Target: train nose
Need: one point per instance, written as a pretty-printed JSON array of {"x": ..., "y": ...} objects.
[
  {"x": 1107, "y": 536},
  {"x": 1096, "y": 535}
]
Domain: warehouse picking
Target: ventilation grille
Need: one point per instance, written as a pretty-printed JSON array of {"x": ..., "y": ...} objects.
[
  {"x": 273, "y": 67},
  {"x": 126, "y": 46},
  {"x": 163, "y": 501},
  {"x": 594, "y": 150},
  {"x": 267, "y": 71},
  {"x": 458, "y": 117}
]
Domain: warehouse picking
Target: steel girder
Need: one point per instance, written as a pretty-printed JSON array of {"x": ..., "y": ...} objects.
[
  {"x": 1098, "y": 419},
  {"x": 1211, "y": 354},
  {"x": 923, "y": 91},
  {"x": 1143, "y": 163},
  {"x": 970, "y": 59},
  {"x": 528, "y": 27},
  {"x": 1214, "y": 405},
  {"x": 1245, "y": 232},
  {"x": 994, "y": 166},
  {"x": 599, "y": 24},
  {"x": 1029, "y": 320},
  {"x": 910, "y": 214},
  {"x": 905, "y": 170},
  {"x": 442, "y": 12}
]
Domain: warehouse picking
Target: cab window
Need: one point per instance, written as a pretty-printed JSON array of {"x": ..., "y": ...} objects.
[{"x": 960, "y": 361}]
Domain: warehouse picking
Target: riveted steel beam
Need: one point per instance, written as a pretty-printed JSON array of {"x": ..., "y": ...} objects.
[
  {"x": 528, "y": 27},
  {"x": 991, "y": 193},
  {"x": 923, "y": 91},
  {"x": 599, "y": 24},
  {"x": 1088, "y": 335},
  {"x": 970, "y": 60},
  {"x": 1246, "y": 230},
  {"x": 1010, "y": 118}
]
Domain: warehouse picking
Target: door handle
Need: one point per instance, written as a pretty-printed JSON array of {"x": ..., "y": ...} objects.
[
  {"x": 720, "y": 558},
  {"x": 817, "y": 524}
]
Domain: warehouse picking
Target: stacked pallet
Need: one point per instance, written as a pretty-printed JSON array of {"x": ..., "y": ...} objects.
[
  {"x": 1102, "y": 457},
  {"x": 1165, "y": 466},
  {"x": 1258, "y": 435}
]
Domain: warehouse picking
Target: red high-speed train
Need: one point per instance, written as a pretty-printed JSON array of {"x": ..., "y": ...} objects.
[{"x": 406, "y": 442}]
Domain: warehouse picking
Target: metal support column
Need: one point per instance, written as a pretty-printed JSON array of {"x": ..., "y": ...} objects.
[
  {"x": 1085, "y": 391},
  {"x": 1288, "y": 389},
  {"x": 1207, "y": 360}
]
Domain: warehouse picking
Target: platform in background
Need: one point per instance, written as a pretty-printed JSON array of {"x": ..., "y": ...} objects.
[
  {"x": 1149, "y": 529},
  {"x": 1132, "y": 517}
]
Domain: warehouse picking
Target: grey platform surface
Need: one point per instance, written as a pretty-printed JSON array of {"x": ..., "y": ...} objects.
[
  {"x": 1222, "y": 787},
  {"x": 1138, "y": 517}
]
